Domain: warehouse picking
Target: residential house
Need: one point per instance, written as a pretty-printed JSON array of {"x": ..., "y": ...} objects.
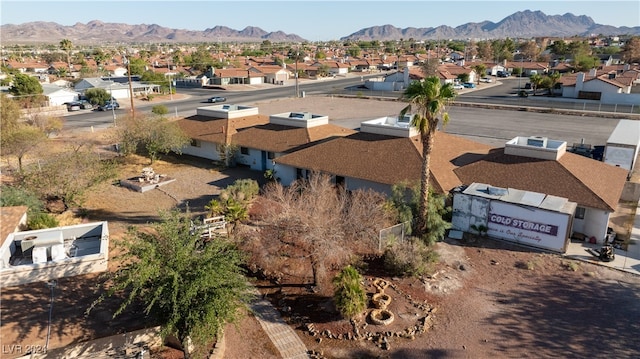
[
  {"x": 591, "y": 86},
  {"x": 447, "y": 72},
  {"x": 543, "y": 165},
  {"x": 456, "y": 56},
  {"x": 58, "y": 95},
  {"x": 274, "y": 74},
  {"x": 406, "y": 61},
  {"x": 528, "y": 67},
  {"x": 386, "y": 151},
  {"x": 234, "y": 76},
  {"x": 212, "y": 128},
  {"x": 116, "y": 70},
  {"x": 336, "y": 68},
  {"x": 116, "y": 89},
  {"x": 259, "y": 146},
  {"x": 33, "y": 67}
]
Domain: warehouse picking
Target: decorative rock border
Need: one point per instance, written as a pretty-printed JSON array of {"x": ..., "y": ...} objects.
[{"x": 380, "y": 338}]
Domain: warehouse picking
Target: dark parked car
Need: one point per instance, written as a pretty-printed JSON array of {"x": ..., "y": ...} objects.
[
  {"x": 112, "y": 105},
  {"x": 503, "y": 74},
  {"x": 215, "y": 99},
  {"x": 469, "y": 85},
  {"x": 78, "y": 105}
]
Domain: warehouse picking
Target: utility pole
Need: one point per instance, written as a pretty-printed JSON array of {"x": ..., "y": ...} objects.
[
  {"x": 296, "y": 68},
  {"x": 133, "y": 109}
]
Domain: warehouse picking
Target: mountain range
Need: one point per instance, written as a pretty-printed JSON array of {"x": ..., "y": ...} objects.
[{"x": 522, "y": 24}]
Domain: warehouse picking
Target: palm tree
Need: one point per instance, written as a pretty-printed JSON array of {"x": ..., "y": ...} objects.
[
  {"x": 430, "y": 99},
  {"x": 66, "y": 45},
  {"x": 481, "y": 71},
  {"x": 536, "y": 81},
  {"x": 554, "y": 79}
]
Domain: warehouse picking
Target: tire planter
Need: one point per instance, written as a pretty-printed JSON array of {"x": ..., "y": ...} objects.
[
  {"x": 380, "y": 284},
  {"x": 381, "y": 300},
  {"x": 381, "y": 317}
]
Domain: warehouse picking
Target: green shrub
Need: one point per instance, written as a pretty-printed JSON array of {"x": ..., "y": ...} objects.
[
  {"x": 41, "y": 220},
  {"x": 160, "y": 110},
  {"x": 409, "y": 258},
  {"x": 242, "y": 190},
  {"x": 233, "y": 202},
  {"x": 16, "y": 196},
  {"x": 349, "y": 296}
]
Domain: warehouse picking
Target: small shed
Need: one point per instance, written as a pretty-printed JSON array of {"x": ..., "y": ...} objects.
[
  {"x": 623, "y": 145},
  {"x": 524, "y": 217}
]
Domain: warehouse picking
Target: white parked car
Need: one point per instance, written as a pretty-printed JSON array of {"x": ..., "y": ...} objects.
[
  {"x": 485, "y": 79},
  {"x": 458, "y": 87}
]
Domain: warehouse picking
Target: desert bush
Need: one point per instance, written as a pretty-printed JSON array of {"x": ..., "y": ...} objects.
[
  {"x": 160, "y": 110},
  {"x": 242, "y": 190},
  {"x": 17, "y": 196},
  {"x": 350, "y": 296},
  {"x": 69, "y": 175},
  {"x": 409, "y": 258},
  {"x": 41, "y": 220}
]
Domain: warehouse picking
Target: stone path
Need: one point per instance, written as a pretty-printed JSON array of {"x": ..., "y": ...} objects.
[{"x": 283, "y": 337}]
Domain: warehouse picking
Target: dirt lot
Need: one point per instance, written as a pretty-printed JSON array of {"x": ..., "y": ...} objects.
[{"x": 488, "y": 298}]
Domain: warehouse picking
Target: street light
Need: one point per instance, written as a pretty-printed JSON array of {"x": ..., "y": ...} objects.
[{"x": 113, "y": 108}]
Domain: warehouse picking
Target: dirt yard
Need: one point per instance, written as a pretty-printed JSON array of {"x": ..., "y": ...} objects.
[{"x": 486, "y": 299}]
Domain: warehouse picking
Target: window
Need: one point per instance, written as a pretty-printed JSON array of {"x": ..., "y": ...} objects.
[
  {"x": 580, "y": 212},
  {"x": 195, "y": 143},
  {"x": 244, "y": 150},
  {"x": 271, "y": 155}
]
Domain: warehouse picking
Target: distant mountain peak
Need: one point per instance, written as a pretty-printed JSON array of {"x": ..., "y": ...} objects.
[
  {"x": 521, "y": 24},
  {"x": 96, "y": 31}
]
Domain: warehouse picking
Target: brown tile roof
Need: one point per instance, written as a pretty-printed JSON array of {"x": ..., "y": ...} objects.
[
  {"x": 449, "y": 153},
  {"x": 280, "y": 138},
  {"x": 234, "y": 72},
  {"x": 387, "y": 159},
  {"x": 612, "y": 82},
  {"x": 213, "y": 130},
  {"x": 10, "y": 218},
  {"x": 270, "y": 69},
  {"x": 582, "y": 180}
]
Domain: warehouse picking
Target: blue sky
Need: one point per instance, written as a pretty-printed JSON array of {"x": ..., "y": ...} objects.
[{"x": 312, "y": 20}]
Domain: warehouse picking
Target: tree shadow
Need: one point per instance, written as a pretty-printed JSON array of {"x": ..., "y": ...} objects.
[
  {"x": 571, "y": 317},
  {"x": 25, "y": 313}
]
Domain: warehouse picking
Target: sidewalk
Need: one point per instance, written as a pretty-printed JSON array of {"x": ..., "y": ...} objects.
[
  {"x": 625, "y": 260},
  {"x": 281, "y": 334}
]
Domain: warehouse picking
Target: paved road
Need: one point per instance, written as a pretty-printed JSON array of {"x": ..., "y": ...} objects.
[{"x": 492, "y": 126}]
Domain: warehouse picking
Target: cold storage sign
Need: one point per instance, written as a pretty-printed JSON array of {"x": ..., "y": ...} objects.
[
  {"x": 527, "y": 225},
  {"x": 524, "y": 224}
]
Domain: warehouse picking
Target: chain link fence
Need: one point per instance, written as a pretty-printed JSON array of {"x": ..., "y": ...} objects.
[{"x": 397, "y": 232}]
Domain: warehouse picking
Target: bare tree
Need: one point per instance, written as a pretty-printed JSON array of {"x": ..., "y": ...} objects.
[{"x": 314, "y": 224}]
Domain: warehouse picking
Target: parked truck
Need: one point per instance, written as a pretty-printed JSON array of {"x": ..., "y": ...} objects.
[{"x": 623, "y": 145}]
